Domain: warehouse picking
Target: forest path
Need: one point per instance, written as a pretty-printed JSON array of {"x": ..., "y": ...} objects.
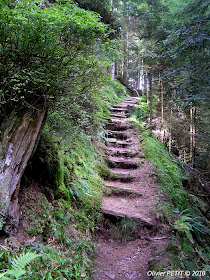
[{"x": 130, "y": 232}]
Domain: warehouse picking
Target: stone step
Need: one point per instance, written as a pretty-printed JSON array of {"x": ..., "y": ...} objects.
[
  {"x": 111, "y": 141},
  {"x": 138, "y": 186},
  {"x": 120, "y": 109},
  {"x": 121, "y": 105},
  {"x": 137, "y": 218},
  {"x": 118, "y": 121},
  {"x": 121, "y": 162},
  {"x": 135, "y": 100},
  {"x": 121, "y": 191},
  {"x": 127, "y": 142},
  {"x": 125, "y": 152},
  {"x": 118, "y": 126},
  {"x": 120, "y": 143},
  {"x": 122, "y": 178},
  {"x": 123, "y": 116},
  {"x": 122, "y": 135},
  {"x": 125, "y": 177}
]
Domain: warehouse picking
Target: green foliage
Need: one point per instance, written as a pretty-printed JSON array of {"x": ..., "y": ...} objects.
[
  {"x": 127, "y": 228},
  {"x": 51, "y": 262},
  {"x": 24, "y": 259},
  {"x": 45, "y": 51},
  {"x": 82, "y": 220},
  {"x": 102, "y": 7},
  {"x": 84, "y": 109},
  {"x": 18, "y": 266},
  {"x": 71, "y": 263},
  {"x": 37, "y": 214},
  {"x": 141, "y": 111},
  {"x": 73, "y": 177},
  {"x": 180, "y": 208},
  {"x": 168, "y": 168},
  {"x": 169, "y": 172},
  {"x": 183, "y": 225},
  {"x": 78, "y": 189},
  {"x": 113, "y": 92},
  {"x": 103, "y": 170}
]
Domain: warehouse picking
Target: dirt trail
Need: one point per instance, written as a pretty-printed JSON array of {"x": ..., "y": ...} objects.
[{"x": 131, "y": 191}]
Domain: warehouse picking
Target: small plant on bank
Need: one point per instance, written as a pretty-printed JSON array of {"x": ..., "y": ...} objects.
[
  {"x": 127, "y": 228},
  {"x": 103, "y": 170},
  {"x": 18, "y": 266}
]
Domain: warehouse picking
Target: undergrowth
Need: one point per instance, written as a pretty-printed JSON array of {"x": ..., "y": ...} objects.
[
  {"x": 61, "y": 195},
  {"x": 176, "y": 205}
]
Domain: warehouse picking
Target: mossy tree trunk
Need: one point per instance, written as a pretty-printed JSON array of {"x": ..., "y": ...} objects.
[{"x": 20, "y": 134}]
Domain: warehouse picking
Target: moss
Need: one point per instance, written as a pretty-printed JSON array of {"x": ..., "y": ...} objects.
[
  {"x": 62, "y": 191},
  {"x": 187, "y": 247},
  {"x": 114, "y": 92},
  {"x": 65, "y": 205},
  {"x": 37, "y": 215},
  {"x": 169, "y": 173},
  {"x": 82, "y": 220},
  {"x": 62, "y": 176},
  {"x": 103, "y": 170},
  {"x": 96, "y": 189},
  {"x": 59, "y": 212}
]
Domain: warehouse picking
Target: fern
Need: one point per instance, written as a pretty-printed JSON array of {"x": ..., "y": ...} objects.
[
  {"x": 18, "y": 265},
  {"x": 24, "y": 259},
  {"x": 183, "y": 225},
  {"x": 17, "y": 273},
  {"x": 77, "y": 189}
]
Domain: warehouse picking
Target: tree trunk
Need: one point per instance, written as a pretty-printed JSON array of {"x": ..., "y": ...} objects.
[
  {"x": 170, "y": 132},
  {"x": 192, "y": 133},
  {"x": 150, "y": 98},
  {"x": 18, "y": 140},
  {"x": 162, "y": 129},
  {"x": 162, "y": 102},
  {"x": 145, "y": 83},
  {"x": 112, "y": 71}
]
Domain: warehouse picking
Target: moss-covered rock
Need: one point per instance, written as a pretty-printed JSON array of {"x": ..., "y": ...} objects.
[{"x": 37, "y": 212}]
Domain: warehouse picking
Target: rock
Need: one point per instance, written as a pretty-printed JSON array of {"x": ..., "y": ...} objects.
[
  {"x": 110, "y": 276},
  {"x": 13, "y": 243},
  {"x": 111, "y": 140}
]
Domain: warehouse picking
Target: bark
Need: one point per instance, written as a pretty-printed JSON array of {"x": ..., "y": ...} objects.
[
  {"x": 162, "y": 112},
  {"x": 192, "y": 132},
  {"x": 145, "y": 83},
  {"x": 170, "y": 132},
  {"x": 162, "y": 102},
  {"x": 148, "y": 87},
  {"x": 140, "y": 82},
  {"x": 150, "y": 99},
  {"x": 112, "y": 71},
  {"x": 19, "y": 139}
]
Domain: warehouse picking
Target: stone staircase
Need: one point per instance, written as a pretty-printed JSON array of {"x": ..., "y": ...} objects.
[
  {"x": 130, "y": 183},
  {"x": 129, "y": 232}
]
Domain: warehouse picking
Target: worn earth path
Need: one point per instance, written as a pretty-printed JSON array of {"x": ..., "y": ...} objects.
[{"x": 128, "y": 205}]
